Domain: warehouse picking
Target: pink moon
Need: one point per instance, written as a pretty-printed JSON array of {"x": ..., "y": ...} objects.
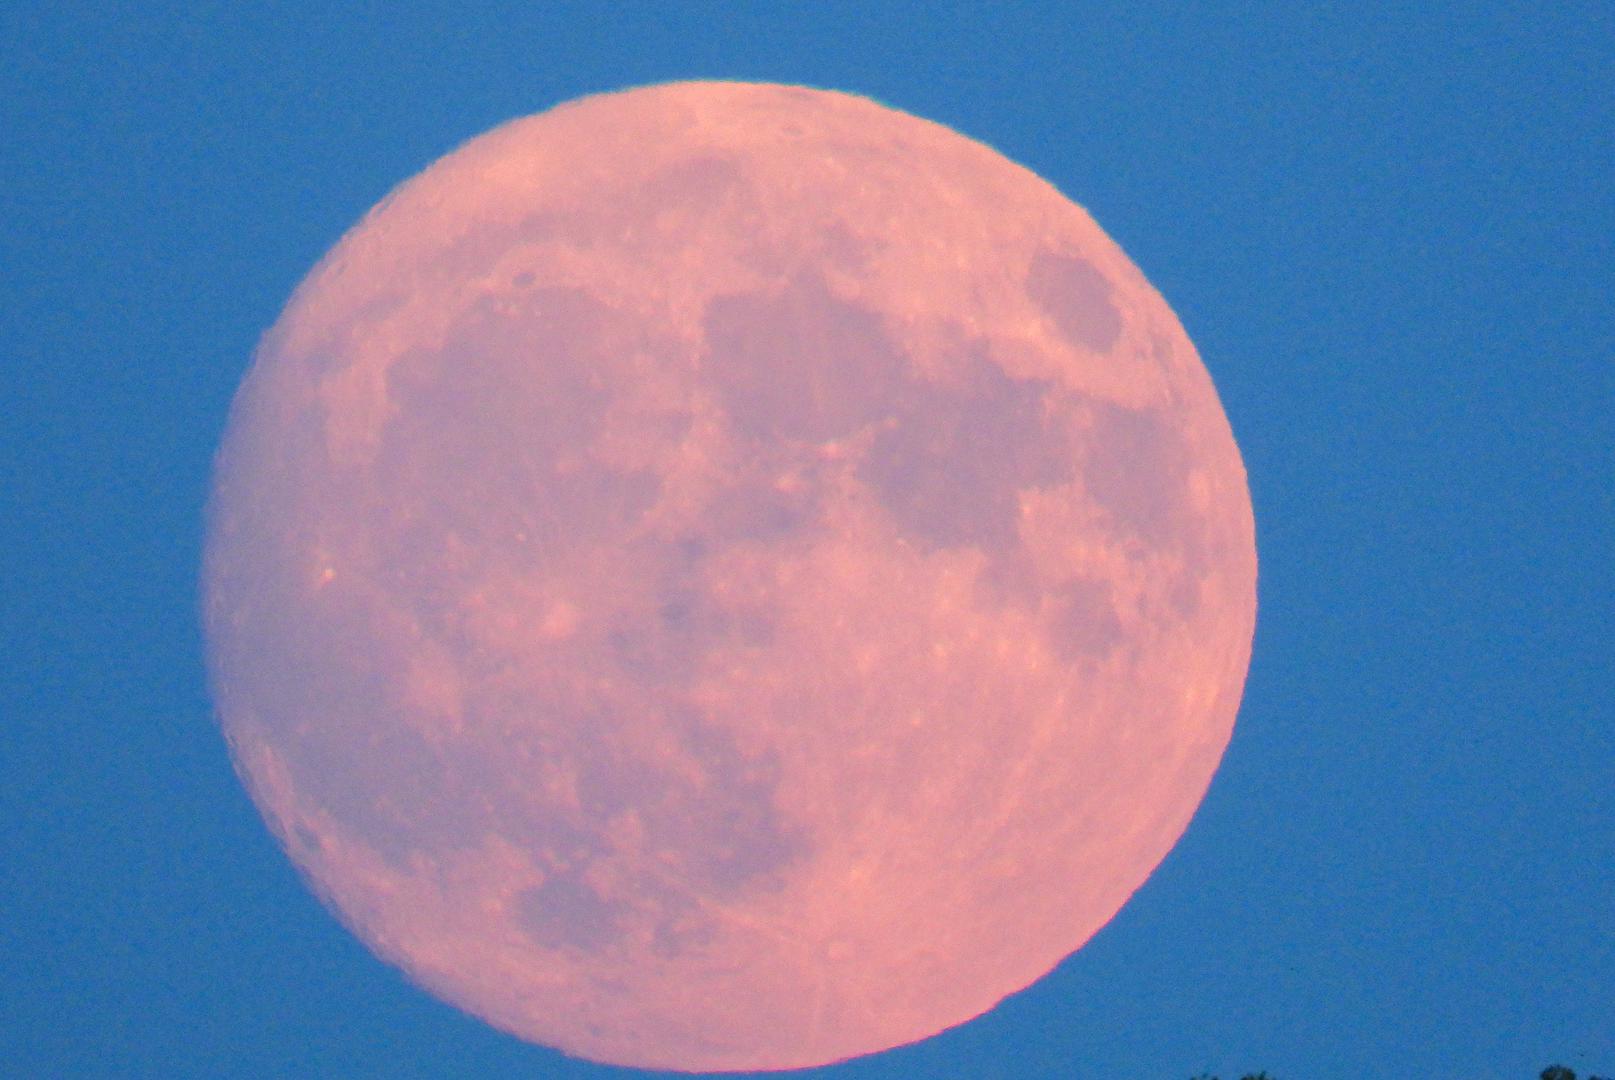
[{"x": 724, "y": 576}]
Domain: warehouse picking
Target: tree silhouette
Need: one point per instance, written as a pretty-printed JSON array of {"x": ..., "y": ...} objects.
[
  {"x": 1552, "y": 1072},
  {"x": 1561, "y": 1072}
]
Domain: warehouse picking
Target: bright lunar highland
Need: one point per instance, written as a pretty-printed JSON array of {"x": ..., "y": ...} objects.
[{"x": 725, "y": 576}]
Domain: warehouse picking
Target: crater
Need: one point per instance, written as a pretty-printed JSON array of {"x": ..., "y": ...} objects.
[{"x": 1077, "y": 299}]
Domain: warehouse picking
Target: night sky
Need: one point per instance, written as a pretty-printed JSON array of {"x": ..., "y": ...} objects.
[{"x": 1392, "y": 238}]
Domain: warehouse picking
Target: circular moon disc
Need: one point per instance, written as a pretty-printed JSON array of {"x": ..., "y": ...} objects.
[{"x": 726, "y": 576}]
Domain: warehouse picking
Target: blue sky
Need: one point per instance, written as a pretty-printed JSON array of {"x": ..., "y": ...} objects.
[{"x": 1392, "y": 237}]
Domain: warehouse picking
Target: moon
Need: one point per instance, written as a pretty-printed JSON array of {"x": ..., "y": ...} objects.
[{"x": 727, "y": 576}]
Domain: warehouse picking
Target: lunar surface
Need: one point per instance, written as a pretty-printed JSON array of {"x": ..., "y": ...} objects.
[{"x": 726, "y": 576}]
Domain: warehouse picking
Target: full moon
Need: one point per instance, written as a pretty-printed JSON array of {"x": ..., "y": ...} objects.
[{"x": 723, "y": 576}]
